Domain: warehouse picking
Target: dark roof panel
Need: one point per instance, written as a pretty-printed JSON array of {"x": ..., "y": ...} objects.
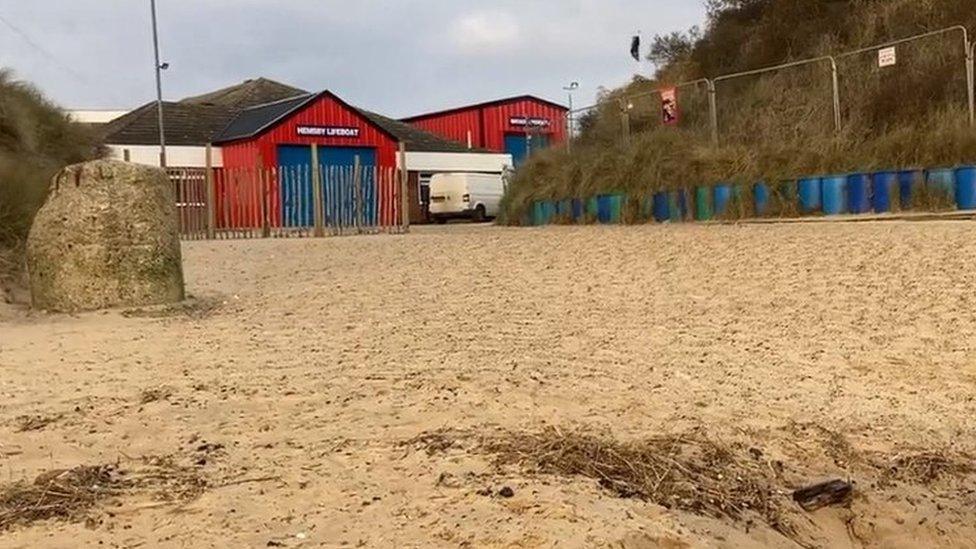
[
  {"x": 252, "y": 121},
  {"x": 485, "y": 105}
]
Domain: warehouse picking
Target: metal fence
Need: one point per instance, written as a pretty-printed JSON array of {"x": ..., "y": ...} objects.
[
  {"x": 289, "y": 201},
  {"x": 938, "y": 60}
]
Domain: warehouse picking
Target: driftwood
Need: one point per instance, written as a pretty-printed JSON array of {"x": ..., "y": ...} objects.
[{"x": 834, "y": 492}]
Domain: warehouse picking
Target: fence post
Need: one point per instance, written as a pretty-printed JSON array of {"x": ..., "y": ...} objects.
[
  {"x": 208, "y": 183},
  {"x": 971, "y": 80},
  {"x": 625, "y": 120},
  {"x": 712, "y": 108},
  {"x": 838, "y": 123},
  {"x": 317, "y": 212},
  {"x": 357, "y": 189},
  {"x": 265, "y": 195},
  {"x": 404, "y": 190}
]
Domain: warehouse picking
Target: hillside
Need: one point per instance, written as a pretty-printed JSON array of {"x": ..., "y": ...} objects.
[
  {"x": 779, "y": 124},
  {"x": 36, "y": 140}
]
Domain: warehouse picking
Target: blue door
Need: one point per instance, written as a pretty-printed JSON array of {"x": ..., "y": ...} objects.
[
  {"x": 517, "y": 146},
  {"x": 339, "y": 193},
  {"x": 520, "y": 147}
]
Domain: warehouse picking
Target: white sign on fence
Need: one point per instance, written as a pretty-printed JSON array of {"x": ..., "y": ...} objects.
[{"x": 887, "y": 57}]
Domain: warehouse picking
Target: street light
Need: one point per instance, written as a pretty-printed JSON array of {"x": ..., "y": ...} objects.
[
  {"x": 573, "y": 86},
  {"x": 159, "y": 67}
]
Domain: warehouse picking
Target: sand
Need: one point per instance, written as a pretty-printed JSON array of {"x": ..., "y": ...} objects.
[{"x": 306, "y": 364}]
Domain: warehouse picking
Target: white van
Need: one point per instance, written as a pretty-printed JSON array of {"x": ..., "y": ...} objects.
[{"x": 472, "y": 196}]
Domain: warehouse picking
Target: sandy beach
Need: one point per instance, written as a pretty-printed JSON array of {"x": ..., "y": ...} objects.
[{"x": 339, "y": 392}]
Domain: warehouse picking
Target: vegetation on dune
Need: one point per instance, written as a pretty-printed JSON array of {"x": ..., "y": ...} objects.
[
  {"x": 36, "y": 140},
  {"x": 779, "y": 125}
]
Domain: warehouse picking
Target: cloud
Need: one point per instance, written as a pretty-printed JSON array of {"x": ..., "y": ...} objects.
[
  {"x": 398, "y": 57},
  {"x": 486, "y": 33}
]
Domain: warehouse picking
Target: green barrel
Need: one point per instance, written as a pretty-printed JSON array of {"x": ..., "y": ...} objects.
[
  {"x": 592, "y": 208},
  {"x": 703, "y": 203},
  {"x": 538, "y": 213},
  {"x": 616, "y": 208}
]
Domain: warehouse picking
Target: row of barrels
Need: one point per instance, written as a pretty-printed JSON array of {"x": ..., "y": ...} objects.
[{"x": 858, "y": 193}]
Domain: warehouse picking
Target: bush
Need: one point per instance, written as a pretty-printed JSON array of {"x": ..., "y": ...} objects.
[
  {"x": 36, "y": 140},
  {"x": 779, "y": 126}
]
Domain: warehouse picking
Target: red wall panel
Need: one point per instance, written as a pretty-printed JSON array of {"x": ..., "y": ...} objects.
[
  {"x": 325, "y": 111},
  {"x": 490, "y": 122},
  {"x": 455, "y": 126}
]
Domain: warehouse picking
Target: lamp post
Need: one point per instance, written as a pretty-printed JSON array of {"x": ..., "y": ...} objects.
[
  {"x": 573, "y": 86},
  {"x": 160, "y": 67}
]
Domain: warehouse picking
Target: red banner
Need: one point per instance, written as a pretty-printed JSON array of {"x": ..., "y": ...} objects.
[{"x": 670, "y": 113}]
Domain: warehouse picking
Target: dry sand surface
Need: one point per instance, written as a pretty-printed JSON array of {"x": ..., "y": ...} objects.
[{"x": 429, "y": 390}]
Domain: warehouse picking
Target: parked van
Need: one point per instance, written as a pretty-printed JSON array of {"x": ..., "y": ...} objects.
[{"x": 472, "y": 196}]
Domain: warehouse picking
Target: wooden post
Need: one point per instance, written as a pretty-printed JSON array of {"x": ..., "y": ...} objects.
[
  {"x": 317, "y": 212},
  {"x": 357, "y": 189},
  {"x": 126, "y": 155},
  {"x": 257, "y": 183},
  {"x": 210, "y": 192},
  {"x": 404, "y": 190}
]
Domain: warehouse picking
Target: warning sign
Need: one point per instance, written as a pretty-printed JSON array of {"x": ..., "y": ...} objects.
[{"x": 887, "y": 57}]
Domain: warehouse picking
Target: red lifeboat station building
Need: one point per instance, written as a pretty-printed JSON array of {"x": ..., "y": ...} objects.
[
  {"x": 516, "y": 126},
  {"x": 265, "y": 124}
]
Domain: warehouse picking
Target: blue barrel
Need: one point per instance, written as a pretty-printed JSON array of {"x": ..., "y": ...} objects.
[
  {"x": 809, "y": 191},
  {"x": 564, "y": 208},
  {"x": 834, "y": 194},
  {"x": 884, "y": 185},
  {"x": 603, "y": 208},
  {"x": 662, "y": 212},
  {"x": 578, "y": 210},
  {"x": 907, "y": 180},
  {"x": 761, "y": 195},
  {"x": 941, "y": 181},
  {"x": 859, "y": 193},
  {"x": 723, "y": 195},
  {"x": 966, "y": 188}
]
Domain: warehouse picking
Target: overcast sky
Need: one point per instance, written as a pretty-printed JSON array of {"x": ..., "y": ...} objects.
[{"x": 399, "y": 57}]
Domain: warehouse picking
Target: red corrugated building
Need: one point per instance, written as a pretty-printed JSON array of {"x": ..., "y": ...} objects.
[{"x": 517, "y": 125}]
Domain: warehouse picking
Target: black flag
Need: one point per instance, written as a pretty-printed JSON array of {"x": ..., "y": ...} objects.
[{"x": 635, "y": 48}]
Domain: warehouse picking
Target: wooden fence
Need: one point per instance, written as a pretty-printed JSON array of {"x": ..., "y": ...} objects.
[{"x": 289, "y": 201}]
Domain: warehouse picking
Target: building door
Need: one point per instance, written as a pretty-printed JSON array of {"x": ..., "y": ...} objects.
[
  {"x": 344, "y": 202},
  {"x": 520, "y": 146}
]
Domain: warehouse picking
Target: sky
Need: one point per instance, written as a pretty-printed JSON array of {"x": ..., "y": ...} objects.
[{"x": 398, "y": 57}]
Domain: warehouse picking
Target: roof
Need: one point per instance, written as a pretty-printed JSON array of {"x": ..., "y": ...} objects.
[
  {"x": 247, "y": 94},
  {"x": 186, "y": 124},
  {"x": 194, "y": 121},
  {"x": 250, "y": 123},
  {"x": 253, "y": 121},
  {"x": 486, "y": 105}
]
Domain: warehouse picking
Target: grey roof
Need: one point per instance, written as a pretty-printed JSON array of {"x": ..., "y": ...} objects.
[
  {"x": 247, "y": 94},
  {"x": 194, "y": 121},
  {"x": 186, "y": 124}
]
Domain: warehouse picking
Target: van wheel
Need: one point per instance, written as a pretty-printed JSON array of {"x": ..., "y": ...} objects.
[
  {"x": 479, "y": 215},
  {"x": 440, "y": 220}
]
